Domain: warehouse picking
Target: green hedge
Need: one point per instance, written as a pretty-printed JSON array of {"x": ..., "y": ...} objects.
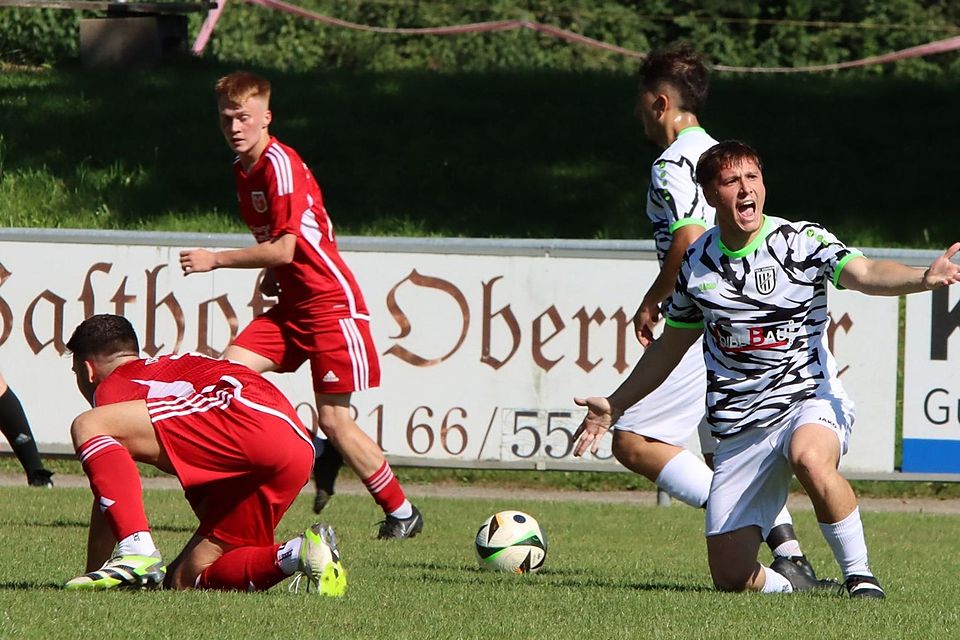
[{"x": 255, "y": 36}]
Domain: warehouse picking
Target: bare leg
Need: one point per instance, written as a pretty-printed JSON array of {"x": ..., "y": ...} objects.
[
  {"x": 814, "y": 456},
  {"x": 199, "y": 553},
  {"x": 733, "y": 560}
]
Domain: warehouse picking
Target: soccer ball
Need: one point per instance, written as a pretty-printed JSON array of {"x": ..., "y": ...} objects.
[{"x": 511, "y": 541}]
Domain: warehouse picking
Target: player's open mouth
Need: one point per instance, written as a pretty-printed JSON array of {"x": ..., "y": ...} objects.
[{"x": 747, "y": 209}]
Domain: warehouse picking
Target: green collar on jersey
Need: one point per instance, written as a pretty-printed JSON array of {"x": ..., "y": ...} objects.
[
  {"x": 691, "y": 130},
  {"x": 750, "y": 248}
]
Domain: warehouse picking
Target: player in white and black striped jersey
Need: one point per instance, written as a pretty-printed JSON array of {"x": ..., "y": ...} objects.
[
  {"x": 651, "y": 437},
  {"x": 755, "y": 288}
]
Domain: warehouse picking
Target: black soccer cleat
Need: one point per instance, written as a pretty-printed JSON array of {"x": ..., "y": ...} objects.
[
  {"x": 804, "y": 565},
  {"x": 320, "y": 501},
  {"x": 864, "y": 587},
  {"x": 393, "y": 528},
  {"x": 325, "y": 469},
  {"x": 40, "y": 478},
  {"x": 799, "y": 576}
]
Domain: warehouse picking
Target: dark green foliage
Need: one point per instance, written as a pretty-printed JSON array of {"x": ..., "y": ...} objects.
[
  {"x": 739, "y": 33},
  {"x": 37, "y": 36},
  {"x": 506, "y": 154}
]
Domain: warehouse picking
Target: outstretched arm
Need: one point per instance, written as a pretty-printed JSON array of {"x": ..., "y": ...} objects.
[
  {"x": 660, "y": 358},
  {"x": 889, "y": 278},
  {"x": 649, "y": 311},
  {"x": 275, "y": 252}
]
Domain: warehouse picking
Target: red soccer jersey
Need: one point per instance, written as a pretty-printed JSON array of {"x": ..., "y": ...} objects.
[
  {"x": 279, "y": 195},
  {"x": 233, "y": 440},
  {"x": 206, "y": 382}
]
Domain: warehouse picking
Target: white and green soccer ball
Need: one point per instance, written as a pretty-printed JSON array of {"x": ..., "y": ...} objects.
[{"x": 511, "y": 541}]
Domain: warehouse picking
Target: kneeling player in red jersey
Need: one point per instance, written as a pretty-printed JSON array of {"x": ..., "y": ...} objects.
[{"x": 230, "y": 437}]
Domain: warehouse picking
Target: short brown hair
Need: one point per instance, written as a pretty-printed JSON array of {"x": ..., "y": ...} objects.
[
  {"x": 103, "y": 335},
  {"x": 682, "y": 68},
  {"x": 722, "y": 155},
  {"x": 240, "y": 85}
]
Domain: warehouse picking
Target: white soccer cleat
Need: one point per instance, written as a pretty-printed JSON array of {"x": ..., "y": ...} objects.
[{"x": 319, "y": 563}]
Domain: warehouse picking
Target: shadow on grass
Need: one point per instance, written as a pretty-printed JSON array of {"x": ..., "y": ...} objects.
[
  {"x": 547, "y": 579},
  {"x": 455, "y": 573},
  {"x": 23, "y": 585},
  {"x": 83, "y": 524}
]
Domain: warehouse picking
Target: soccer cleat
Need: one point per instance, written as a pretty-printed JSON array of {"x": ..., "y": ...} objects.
[
  {"x": 864, "y": 587},
  {"x": 40, "y": 478},
  {"x": 320, "y": 501},
  {"x": 123, "y": 572},
  {"x": 319, "y": 563},
  {"x": 800, "y": 579},
  {"x": 393, "y": 528},
  {"x": 804, "y": 565}
]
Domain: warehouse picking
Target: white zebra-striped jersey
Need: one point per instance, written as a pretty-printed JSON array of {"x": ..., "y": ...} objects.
[
  {"x": 764, "y": 314},
  {"x": 674, "y": 198}
]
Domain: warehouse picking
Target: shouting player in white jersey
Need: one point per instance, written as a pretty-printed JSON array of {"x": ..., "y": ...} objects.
[
  {"x": 650, "y": 437},
  {"x": 755, "y": 288},
  {"x": 321, "y": 316}
]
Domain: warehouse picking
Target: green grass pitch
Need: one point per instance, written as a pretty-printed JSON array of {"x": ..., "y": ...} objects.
[{"x": 612, "y": 571}]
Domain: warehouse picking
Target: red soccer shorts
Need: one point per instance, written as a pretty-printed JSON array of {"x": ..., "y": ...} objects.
[
  {"x": 342, "y": 356},
  {"x": 241, "y": 463}
]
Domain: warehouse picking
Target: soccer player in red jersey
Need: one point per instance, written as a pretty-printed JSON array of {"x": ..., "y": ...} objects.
[
  {"x": 232, "y": 440},
  {"x": 321, "y": 316}
]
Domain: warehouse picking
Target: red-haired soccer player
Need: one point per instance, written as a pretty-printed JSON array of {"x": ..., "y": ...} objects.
[
  {"x": 321, "y": 316},
  {"x": 230, "y": 437}
]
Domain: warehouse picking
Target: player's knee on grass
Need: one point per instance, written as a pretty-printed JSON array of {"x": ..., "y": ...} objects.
[
  {"x": 199, "y": 553},
  {"x": 179, "y": 582},
  {"x": 732, "y": 557},
  {"x": 733, "y": 576}
]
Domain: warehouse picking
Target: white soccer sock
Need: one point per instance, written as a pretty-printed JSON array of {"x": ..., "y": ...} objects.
[
  {"x": 783, "y": 517},
  {"x": 775, "y": 582},
  {"x": 788, "y": 548},
  {"x": 136, "y": 544},
  {"x": 848, "y": 543},
  {"x": 686, "y": 478},
  {"x": 288, "y": 555},
  {"x": 404, "y": 511}
]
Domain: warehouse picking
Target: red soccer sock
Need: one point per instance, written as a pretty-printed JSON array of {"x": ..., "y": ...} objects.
[
  {"x": 243, "y": 569},
  {"x": 115, "y": 483},
  {"x": 385, "y": 489}
]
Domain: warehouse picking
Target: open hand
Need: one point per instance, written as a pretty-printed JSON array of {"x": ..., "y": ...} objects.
[
  {"x": 597, "y": 422},
  {"x": 943, "y": 272}
]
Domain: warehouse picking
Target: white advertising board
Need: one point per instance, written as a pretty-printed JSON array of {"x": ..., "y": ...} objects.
[
  {"x": 482, "y": 347},
  {"x": 931, "y": 388}
]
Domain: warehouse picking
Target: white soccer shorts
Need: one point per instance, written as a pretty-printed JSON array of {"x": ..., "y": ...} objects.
[
  {"x": 751, "y": 477},
  {"x": 675, "y": 409}
]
